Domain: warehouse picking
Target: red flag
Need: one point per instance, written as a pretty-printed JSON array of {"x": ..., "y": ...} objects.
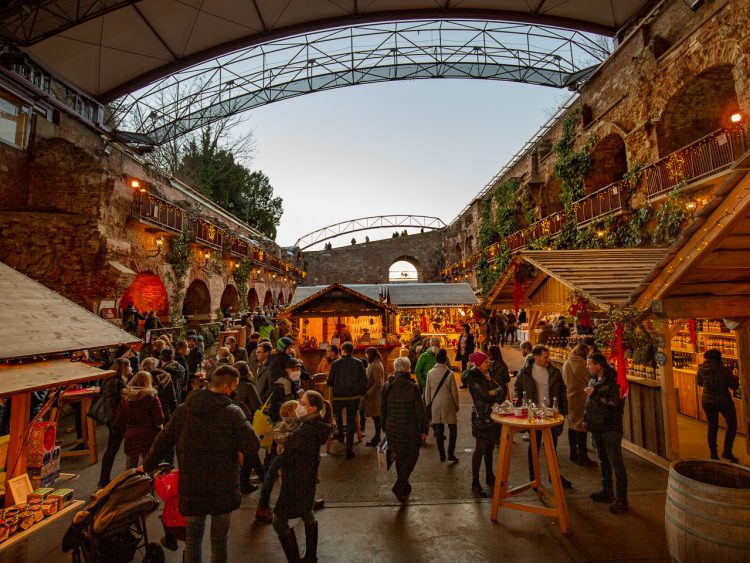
[
  {"x": 622, "y": 363},
  {"x": 582, "y": 306},
  {"x": 693, "y": 335},
  {"x": 517, "y": 288}
]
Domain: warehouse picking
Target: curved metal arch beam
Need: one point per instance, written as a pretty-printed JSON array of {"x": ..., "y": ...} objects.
[
  {"x": 356, "y": 55},
  {"x": 438, "y": 14},
  {"x": 367, "y": 223}
]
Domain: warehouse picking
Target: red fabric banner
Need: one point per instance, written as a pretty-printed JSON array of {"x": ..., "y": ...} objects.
[
  {"x": 582, "y": 306},
  {"x": 693, "y": 335},
  {"x": 517, "y": 288},
  {"x": 622, "y": 363}
]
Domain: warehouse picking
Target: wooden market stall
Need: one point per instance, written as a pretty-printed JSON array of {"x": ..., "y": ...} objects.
[
  {"x": 41, "y": 331},
  {"x": 554, "y": 280},
  {"x": 704, "y": 279},
  {"x": 334, "y": 314}
]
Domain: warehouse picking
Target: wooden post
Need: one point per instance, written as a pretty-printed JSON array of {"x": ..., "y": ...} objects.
[
  {"x": 534, "y": 317},
  {"x": 668, "y": 402},
  {"x": 19, "y": 429},
  {"x": 743, "y": 353}
]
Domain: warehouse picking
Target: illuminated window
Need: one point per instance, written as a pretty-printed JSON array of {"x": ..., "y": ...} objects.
[{"x": 14, "y": 121}]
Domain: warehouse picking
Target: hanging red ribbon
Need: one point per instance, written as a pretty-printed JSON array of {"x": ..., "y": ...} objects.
[
  {"x": 693, "y": 335},
  {"x": 581, "y": 305},
  {"x": 622, "y": 363},
  {"x": 517, "y": 288}
]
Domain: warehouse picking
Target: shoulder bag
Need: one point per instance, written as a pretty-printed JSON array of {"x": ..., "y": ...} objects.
[{"x": 432, "y": 400}]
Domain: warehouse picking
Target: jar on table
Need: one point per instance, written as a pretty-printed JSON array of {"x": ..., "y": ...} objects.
[
  {"x": 49, "y": 507},
  {"x": 27, "y": 520},
  {"x": 35, "y": 507},
  {"x": 4, "y": 531}
]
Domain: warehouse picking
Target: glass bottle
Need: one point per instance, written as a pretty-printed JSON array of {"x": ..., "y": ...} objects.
[
  {"x": 555, "y": 406},
  {"x": 525, "y": 405}
]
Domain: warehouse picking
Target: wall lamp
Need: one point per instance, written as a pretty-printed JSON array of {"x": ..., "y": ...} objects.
[
  {"x": 159, "y": 246},
  {"x": 206, "y": 261}
]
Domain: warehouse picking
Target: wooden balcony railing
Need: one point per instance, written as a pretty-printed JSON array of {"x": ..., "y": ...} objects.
[
  {"x": 711, "y": 154},
  {"x": 156, "y": 211},
  {"x": 236, "y": 246},
  {"x": 706, "y": 156},
  {"x": 207, "y": 234}
]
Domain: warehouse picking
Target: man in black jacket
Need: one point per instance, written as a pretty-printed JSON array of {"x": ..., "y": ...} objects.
[
  {"x": 404, "y": 420},
  {"x": 603, "y": 416},
  {"x": 169, "y": 363},
  {"x": 348, "y": 382},
  {"x": 541, "y": 381},
  {"x": 210, "y": 433},
  {"x": 195, "y": 356}
]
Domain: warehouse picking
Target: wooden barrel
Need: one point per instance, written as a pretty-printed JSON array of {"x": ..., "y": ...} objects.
[{"x": 707, "y": 514}]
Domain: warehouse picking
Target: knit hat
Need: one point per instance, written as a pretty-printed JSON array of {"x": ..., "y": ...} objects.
[
  {"x": 478, "y": 358},
  {"x": 283, "y": 343}
]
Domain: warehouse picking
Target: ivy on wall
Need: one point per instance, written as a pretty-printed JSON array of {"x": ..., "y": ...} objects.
[
  {"x": 571, "y": 166},
  {"x": 240, "y": 274},
  {"x": 669, "y": 219},
  {"x": 498, "y": 220},
  {"x": 178, "y": 257}
]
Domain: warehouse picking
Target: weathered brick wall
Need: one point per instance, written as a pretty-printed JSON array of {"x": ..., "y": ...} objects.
[
  {"x": 370, "y": 262},
  {"x": 65, "y": 221},
  {"x": 672, "y": 80}
]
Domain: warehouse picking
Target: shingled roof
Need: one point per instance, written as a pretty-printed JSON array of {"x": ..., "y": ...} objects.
[{"x": 405, "y": 294}]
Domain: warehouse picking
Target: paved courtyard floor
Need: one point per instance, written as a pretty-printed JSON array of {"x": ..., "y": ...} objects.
[{"x": 362, "y": 520}]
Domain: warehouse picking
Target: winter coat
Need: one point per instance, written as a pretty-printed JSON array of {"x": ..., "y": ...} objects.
[
  {"x": 347, "y": 379},
  {"x": 282, "y": 390},
  {"x": 112, "y": 389},
  {"x": 604, "y": 407},
  {"x": 525, "y": 384},
  {"x": 248, "y": 395},
  {"x": 469, "y": 348},
  {"x": 402, "y": 413},
  {"x": 262, "y": 382},
  {"x": 501, "y": 376},
  {"x": 167, "y": 393},
  {"x": 373, "y": 395},
  {"x": 445, "y": 401},
  {"x": 716, "y": 380},
  {"x": 152, "y": 323},
  {"x": 576, "y": 378},
  {"x": 195, "y": 360},
  {"x": 139, "y": 418},
  {"x": 167, "y": 487},
  {"x": 179, "y": 375},
  {"x": 299, "y": 467},
  {"x": 239, "y": 354},
  {"x": 479, "y": 385},
  {"x": 277, "y": 365},
  {"x": 425, "y": 363},
  {"x": 209, "y": 433}
]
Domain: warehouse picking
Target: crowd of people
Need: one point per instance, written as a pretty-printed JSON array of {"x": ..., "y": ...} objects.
[{"x": 177, "y": 403}]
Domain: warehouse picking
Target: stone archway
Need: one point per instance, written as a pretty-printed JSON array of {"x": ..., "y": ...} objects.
[
  {"x": 397, "y": 270},
  {"x": 609, "y": 163},
  {"x": 697, "y": 109},
  {"x": 268, "y": 299},
  {"x": 230, "y": 298},
  {"x": 281, "y": 299},
  {"x": 252, "y": 299},
  {"x": 148, "y": 293},
  {"x": 197, "y": 299}
]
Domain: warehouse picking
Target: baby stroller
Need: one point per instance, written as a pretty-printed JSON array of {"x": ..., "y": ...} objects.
[{"x": 113, "y": 525}]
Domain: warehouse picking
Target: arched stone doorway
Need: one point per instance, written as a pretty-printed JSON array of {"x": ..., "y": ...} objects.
[
  {"x": 147, "y": 292},
  {"x": 268, "y": 299},
  {"x": 405, "y": 269},
  {"x": 697, "y": 109},
  {"x": 197, "y": 299},
  {"x": 281, "y": 299},
  {"x": 252, "y": 299},
  {"x": 608, "y": 164},
  {"x": 230, "y": 298}
]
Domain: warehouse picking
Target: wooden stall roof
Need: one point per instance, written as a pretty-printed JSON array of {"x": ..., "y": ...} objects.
[
  {"x": 405, "y": 294},
  {"x": 336, "y": 300},
  {"x": 607, "y": 277},
  {"x": 33, "y": 376},
  {"x": 707, "y": 272},
  {"x": 36, "y": 321}
]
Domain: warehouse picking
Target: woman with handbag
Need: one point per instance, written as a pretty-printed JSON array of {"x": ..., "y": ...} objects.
[
  {"x": 371, "y": 399},
  {"x": 484, "y": 393},
  {"x": 441, "y": 398}
]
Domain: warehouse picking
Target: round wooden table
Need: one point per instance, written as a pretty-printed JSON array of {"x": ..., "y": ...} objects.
[{"x": 510, "y": 426}]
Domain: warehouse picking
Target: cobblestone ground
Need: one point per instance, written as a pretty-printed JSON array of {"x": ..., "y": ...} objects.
[{"x": 363, "y": 521}]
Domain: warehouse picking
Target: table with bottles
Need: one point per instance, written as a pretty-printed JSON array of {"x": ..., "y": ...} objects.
[{"x": 519, "y": 418}]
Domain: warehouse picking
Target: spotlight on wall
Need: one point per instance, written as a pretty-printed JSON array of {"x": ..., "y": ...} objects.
[
  {"x": 206, "y": 266},
  {"x": 135, "y": 184},
  {"x": 735, "y": 118}
]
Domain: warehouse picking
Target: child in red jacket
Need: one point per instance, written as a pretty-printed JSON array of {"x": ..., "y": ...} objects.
[{"x": 166, "y": 485}]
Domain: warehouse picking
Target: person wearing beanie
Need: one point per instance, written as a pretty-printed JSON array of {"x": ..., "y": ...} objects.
[
  {"x": 278, "y": 359},
  {"x": 484, "y": 393}
]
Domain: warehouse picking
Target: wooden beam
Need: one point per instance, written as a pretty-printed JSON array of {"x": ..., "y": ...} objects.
[
  {"x": 668, "y": 399},
  {"x": 726, "y": 258},
  {"x": 743, "y": 353},
  {"x": 703, "y": 307},
  {"x": 19, "y": 430},
  {"x": 716, "y": 288}
]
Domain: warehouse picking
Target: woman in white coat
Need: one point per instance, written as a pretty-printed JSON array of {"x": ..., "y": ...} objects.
[{"x": 441, "y": 395}]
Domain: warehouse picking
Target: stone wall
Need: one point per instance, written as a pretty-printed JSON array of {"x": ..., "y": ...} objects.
[
  {"x": 369, "y": 262},
  {"x": 674, "y": 77}
]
